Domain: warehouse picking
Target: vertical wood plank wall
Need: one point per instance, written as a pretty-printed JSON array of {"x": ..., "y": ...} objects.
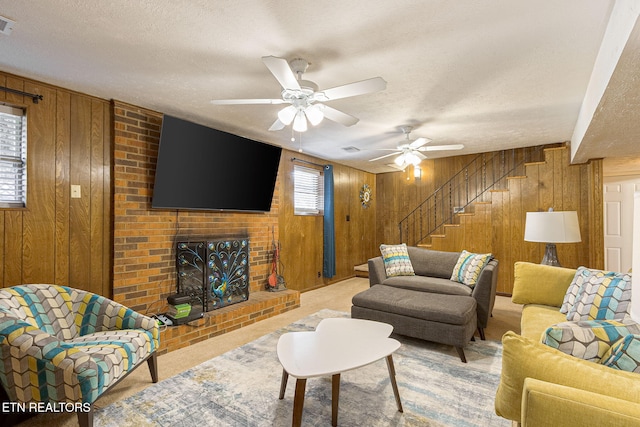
[
  {"x": 497, "y": 226},
  {"x": 57, "y": 239},
  {"x": 301, "y": 237},
  {"x": 63, "y": 240}
]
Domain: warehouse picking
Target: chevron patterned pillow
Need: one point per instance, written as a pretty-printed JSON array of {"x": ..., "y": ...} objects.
[
  {"x": 604, "y": 295},
  {"x": 582, "y": 274},
  {"x": 396, "y": 260},
  {"x": 469, "y": 267}
]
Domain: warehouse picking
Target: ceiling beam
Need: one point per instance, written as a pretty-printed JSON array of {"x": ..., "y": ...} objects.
[{"x": 608, "y": 124}]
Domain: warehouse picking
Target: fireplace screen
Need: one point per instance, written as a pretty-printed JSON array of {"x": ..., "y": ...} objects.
[{"x": 215, "y": 273}]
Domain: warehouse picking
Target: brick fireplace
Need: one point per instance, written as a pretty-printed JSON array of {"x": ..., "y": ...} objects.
[{"x": 144, "y": 259}]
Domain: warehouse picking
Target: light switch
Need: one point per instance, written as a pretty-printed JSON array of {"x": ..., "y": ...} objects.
[{"x": 75, "y": 192}]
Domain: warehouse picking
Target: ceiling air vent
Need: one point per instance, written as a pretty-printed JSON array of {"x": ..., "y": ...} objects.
[
  {"x": 6, "y": 25},
  {"x": 351, "y": 149}
]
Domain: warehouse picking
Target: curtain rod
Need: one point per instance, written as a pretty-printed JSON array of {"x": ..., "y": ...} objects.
[
  {"x": 295, "y": 159},
  {"x": 35, "y": 98}
]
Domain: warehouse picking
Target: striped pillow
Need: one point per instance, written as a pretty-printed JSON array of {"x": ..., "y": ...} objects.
[
  {"x": 396, "y": 260},
  {"x": 603, "y": 295},
  {"x": 469, "y": 267}
]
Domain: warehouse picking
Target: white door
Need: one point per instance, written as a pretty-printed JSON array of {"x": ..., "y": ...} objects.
[{"x": 618, "y": 221}]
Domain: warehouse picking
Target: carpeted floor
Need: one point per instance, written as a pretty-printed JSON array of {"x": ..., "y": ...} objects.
[
  {"x": 506, "y": 316},
  {"x": 240, "y": 388}
]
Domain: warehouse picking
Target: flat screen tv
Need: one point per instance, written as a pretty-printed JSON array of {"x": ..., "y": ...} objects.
[{"x": 200, "y": 168}]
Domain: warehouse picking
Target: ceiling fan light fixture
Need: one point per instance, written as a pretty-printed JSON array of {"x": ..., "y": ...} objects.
[
  {"x": 300, "y": 122},
  {"x": 287, "y": 114},
  {"x": 399, "y": 160},
  {"x": 412, "y": 159},
  {"x": 314, "y": 114}
]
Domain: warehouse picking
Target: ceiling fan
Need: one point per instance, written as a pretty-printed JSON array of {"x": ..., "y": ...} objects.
[
  {"x": 304, "y": 99},
  {"x": 410, "y": 151}
]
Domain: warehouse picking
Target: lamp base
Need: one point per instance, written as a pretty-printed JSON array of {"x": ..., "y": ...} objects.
[{"x": 551, "y": 256}]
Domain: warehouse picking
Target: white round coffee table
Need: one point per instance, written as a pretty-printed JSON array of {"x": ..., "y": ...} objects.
[{"x": 337, "y": 345}]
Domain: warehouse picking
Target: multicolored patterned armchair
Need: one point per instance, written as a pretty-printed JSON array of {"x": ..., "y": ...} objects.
[{"x": 59, "y": 344}]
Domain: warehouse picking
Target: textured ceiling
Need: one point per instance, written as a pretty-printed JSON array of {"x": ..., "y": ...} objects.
[{"x": 491, "y": 75}]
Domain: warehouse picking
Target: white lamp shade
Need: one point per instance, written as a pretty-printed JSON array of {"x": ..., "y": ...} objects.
[
  {"x": 552, "y": 227},
  {"x": 314, "y": 114},
  {"x": 300, "y": 122},
  {"x": 412, "y": 158},
  {"x": 287, "y": 114},
  {"x": 399, "y": 160}
]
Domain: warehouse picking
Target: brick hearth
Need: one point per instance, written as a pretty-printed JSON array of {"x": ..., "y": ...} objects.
[{"x": 260, "y": 306}]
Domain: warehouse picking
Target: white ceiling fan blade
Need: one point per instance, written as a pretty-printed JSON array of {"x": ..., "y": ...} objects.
[
  {"x": 358, "y": 88},
  {"x": 441, "y": 147},
  {"x": 338, "y": 116},
  {"x": 247, "y": 101},
  {"x": 383, "y": 157},
  {"x": 280, "y": 69},
  {"x": 420, "y": 155},
  {"x": 418, "y": 143},
  {"x": 277, "y": 125},
  {"x": 393, "y": 165}
]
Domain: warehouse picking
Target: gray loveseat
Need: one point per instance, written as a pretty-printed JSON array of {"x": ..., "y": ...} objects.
[{"x": 429, "y": 305}]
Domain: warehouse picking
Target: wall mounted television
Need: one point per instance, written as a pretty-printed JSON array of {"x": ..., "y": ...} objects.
[{"x": 200, "y": 168}]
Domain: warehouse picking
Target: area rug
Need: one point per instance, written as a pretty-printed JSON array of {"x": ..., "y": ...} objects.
[{"x": 240, "y": 388}]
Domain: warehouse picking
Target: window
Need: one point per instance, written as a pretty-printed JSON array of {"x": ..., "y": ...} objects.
[
  {"x": 308, "y": 191},
  {"x": 13, "y": 157}
]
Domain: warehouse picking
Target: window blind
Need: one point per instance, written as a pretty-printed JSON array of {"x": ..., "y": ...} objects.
[
  {"x": 13, "y": 157},
  {"x": 308, "y": 193}
]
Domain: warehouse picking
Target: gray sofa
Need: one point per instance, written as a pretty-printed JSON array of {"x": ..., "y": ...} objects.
[{"x": 429, "y": 305}]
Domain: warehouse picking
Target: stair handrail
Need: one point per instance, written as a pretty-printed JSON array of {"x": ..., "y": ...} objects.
[{"x": 442, "y": 188}]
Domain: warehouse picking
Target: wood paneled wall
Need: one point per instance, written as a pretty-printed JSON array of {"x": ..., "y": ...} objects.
[
  {"x": 497, "y": 226},
  {"x": 301, "y": 237},
  {"x": 56, "y": 238},
  {"x": 399, "y": 192}
]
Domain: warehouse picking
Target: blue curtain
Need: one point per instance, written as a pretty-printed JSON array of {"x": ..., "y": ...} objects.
[{"x": 329, "y": 246}]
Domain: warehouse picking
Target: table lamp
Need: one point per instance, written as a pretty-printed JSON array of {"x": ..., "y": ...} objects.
[{"x": 552, "y": 227}]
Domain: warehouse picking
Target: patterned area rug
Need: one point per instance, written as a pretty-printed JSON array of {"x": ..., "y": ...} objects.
[{"x": 240, "y": 388}]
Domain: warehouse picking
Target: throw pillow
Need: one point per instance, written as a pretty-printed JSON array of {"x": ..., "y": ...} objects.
[
  {"x": 604, "y": 295},
  {"x": 587, "y": 339},
  {"x": 396, "y": 260},
  {"x": 574, "y": 289},
  {"x": 624, "y": 354},
  {"x": 468, "y": 268}
]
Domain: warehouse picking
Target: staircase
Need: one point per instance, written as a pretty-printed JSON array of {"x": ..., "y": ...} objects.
[
  {"x": 473, "y": 212},
  {"x": 462, "y": 194}
]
